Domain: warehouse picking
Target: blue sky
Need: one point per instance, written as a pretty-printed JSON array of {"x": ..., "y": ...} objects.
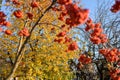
[{"x": 91, "y": 4}]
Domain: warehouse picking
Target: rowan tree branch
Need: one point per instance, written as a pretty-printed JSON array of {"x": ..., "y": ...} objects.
[{"x": 20, "y": 53}]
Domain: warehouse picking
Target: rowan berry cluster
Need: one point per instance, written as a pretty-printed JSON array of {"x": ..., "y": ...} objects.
[
  {"x": 114, "y": 73},
  {"x": 111, "y": 55},
  {"x": 116, "y": 7},
  {"x": 72, "y": 14},
  {"x": 18, "y": 14},
  {"x": 96, "y": 32},
  {"x": 84, "y": 59},
  {"x": 16, "y": 2},
  {"x": 3, "y": 22},
  {"x": 24, "y": 32}
]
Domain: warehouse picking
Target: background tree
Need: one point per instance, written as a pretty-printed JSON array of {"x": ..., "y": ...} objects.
[{"x": 110, "y": 23}]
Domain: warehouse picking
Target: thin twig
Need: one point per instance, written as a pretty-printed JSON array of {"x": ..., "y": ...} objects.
[{"x": 11, "y": 61}]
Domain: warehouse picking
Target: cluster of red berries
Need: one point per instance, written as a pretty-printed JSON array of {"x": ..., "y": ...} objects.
[
  {"x": 3, "y": 22},
  {"x": 72, "y": 14},
  {"x": 96, "y": 35},
  {"x": 34, "y": 4},
  {"x": 84, "y": 59},
  {"x": 116, "y": 7},
  {"x": 61, "y": 37},
  {"x": 115, "y": 74},
  {"x": 72, "y": 46},
  {"x": 111, "y": 55},
  {"x": 30, "y": 15},
  {"x": 24, "y": 32},
  {"x": 61, "y": 34},
  {"x": 16, "y": 2},
  {"x": 18, "y": 14},
  {"x": 63, "y": 2}
]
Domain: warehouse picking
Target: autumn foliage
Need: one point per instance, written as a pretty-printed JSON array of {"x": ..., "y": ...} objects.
[{"x": 37, "y": 43}]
